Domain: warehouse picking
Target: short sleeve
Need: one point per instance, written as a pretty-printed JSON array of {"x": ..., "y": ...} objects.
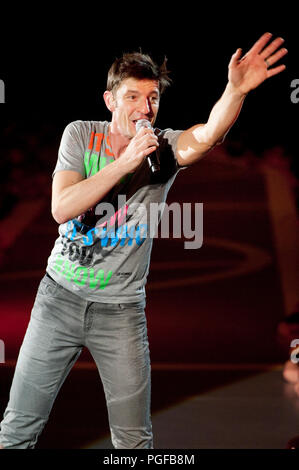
[
  {"x": 170, "y": 137},
  {"x": 71, "y": 150}
]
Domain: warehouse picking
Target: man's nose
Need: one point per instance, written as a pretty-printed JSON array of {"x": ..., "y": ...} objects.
[{"x": 145, "y": 107}]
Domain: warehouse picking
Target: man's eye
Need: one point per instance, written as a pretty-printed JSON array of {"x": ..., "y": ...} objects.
[{"x": 131, "y": 97}]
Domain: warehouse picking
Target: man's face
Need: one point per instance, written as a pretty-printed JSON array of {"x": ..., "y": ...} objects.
[{"x": 135, "y": 99}]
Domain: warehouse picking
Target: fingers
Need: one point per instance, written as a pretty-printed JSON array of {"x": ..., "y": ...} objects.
[
  {"x": 151, "y": 141},
  {"x": 275, "y": 71},
  {"x": 142, "y": 144},
  {"x": 147, "y": 136},
  {"x": 275, "y": 57},
  {"x": 267, "y": 52},
  {"x": 271, "y": 48},
  {"x": 260, "y": 44},
  {"x": 149, "y": 150},
  {"x": 272, "y": 53},
  {"x": 144, "y": 130}
]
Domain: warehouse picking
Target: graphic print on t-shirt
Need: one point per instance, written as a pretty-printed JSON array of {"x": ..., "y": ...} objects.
[
  {"x": 113, "y": 231},
  {"x": 94, "y": 158},
  {"x": 98, "y": 256}
]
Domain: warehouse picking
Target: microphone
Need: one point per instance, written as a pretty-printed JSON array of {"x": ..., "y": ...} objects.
[{"x": 152, "y": 159}]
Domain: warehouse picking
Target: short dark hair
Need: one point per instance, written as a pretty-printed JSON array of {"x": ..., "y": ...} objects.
[{"x": 137, "y": 65}]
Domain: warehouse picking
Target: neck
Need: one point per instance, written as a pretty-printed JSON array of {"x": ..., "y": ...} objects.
[{"x": 118, "y": 141}]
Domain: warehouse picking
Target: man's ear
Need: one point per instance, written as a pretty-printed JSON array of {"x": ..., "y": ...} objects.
[{"x": 109, "y": 100}]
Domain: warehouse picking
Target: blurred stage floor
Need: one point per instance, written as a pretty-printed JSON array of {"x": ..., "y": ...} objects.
[{"x": 256, "y": 412}]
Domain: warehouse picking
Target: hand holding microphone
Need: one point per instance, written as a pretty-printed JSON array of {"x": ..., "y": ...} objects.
[
  {"x": 143, "y": 145},
  {"x": 152, "y": 159}
]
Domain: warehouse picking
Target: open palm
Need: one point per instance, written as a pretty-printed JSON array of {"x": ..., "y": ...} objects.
[{"x": 252, "y": 69}]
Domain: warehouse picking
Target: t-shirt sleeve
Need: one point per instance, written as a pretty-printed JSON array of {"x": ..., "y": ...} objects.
[
  {"x": 71, "y": 149},
  {"x": 170, "y": 138}
]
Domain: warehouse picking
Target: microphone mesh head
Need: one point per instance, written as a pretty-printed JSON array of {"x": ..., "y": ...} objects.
[{"x": 142, "y": 123}]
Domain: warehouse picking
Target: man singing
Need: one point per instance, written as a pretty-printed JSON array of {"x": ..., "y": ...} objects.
[{"x": 93, "y": 292}]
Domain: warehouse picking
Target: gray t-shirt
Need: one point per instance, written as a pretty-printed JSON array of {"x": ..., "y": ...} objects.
[{"x": 106, "y": 259}]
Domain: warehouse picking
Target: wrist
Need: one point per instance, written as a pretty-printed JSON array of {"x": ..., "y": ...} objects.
[
  {"x": 235, "y": 91},
  {"x": 121, "y": 167}
]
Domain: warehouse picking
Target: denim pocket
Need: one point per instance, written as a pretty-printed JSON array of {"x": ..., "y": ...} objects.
[{"x": 48, "y": 286}]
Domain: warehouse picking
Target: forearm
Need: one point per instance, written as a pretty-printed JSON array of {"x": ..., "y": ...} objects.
[
  {"x": 223, "y": 116},
  {"x": 77, "y": 198},
  {"x": 195, "y": 142}
]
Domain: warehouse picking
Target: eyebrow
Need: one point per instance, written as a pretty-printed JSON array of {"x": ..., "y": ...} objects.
[{"x": 136, "y": 92}]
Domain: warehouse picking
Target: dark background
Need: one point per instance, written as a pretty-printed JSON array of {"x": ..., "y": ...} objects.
[
  {"x": 55, "y": 64},
  {"x": 55, "y": 70}
]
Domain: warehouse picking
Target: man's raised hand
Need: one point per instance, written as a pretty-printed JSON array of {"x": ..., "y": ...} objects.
[{"x": 252, "y": 69}]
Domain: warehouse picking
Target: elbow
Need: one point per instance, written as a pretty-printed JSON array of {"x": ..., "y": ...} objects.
[
  {"x": 58, "y": 218},
  {"x": 220, "y": 140},
  {"x": 58, "y": 215},
  {"x": 205, "y": 139},
  {"x": 214, "y": 140}
]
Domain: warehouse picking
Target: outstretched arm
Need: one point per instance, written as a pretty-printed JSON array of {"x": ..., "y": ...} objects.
[{"x": 244, "y": 75}]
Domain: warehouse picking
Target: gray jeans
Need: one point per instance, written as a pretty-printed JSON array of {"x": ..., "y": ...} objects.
[{"x": 61, "y": 324}]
